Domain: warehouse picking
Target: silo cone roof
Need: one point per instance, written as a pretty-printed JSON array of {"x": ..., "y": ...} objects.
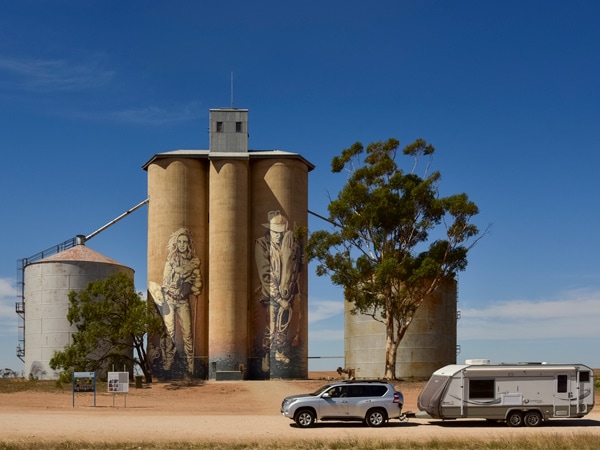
[{"x": 81, "y": 253}]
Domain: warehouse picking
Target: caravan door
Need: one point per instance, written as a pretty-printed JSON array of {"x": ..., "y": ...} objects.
[{"x": 565, "y": 398}]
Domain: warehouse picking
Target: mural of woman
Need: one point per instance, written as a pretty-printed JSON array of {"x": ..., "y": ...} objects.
[{"x": 181, "y": 279}]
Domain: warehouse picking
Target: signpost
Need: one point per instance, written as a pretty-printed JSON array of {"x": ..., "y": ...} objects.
[
  {"x": 118, "y": 383},
  {"x": 84, "y": 382}
]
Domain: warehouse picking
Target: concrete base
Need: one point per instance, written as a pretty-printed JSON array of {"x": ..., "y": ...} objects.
[{"x": 229, "y": 375}]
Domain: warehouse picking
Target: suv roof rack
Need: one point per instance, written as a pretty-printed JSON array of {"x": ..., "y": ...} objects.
[{"x": 365, "y": 381}]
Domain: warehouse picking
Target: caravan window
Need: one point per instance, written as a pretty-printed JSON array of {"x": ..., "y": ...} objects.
[
  {"x": 481, "y": 388},
  {"x": 584, "y": 377},
  {"x": 561, "y": 383}
]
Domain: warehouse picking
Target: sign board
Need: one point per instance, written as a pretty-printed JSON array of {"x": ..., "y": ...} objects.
[
  {"x": 118, "y": 382},
  {"x": 84, "y": 382}
]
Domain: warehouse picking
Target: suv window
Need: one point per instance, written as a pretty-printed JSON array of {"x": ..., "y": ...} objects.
[
  {"x": 338, "y": 391},
  {"x": 366, "y": 391}
]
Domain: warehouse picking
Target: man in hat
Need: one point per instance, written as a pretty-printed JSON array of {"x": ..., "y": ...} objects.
[{"x": 279, "y": 261}]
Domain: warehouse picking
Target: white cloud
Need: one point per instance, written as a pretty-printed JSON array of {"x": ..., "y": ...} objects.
[
  {"x": 52, "y": 75},
  {"x": 48, "y": 75},
  {"x": 324, "y": 309},
  {"x": 7, "y": 299},
  {"x": 8, "y": 315},
  {"x": 575, "y": 315}
]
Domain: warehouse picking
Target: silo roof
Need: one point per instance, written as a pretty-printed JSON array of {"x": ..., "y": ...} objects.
[
  {"x": 207, "y": 154},
  {"x": 80, "y": 253}
]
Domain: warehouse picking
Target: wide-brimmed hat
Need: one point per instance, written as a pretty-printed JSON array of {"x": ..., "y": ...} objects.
[{"x": 277, "y": 222}]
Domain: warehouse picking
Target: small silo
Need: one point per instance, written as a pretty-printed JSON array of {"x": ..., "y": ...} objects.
[
  {"x": 47, "y": 284},
  {"x": 429, "y": 343}
]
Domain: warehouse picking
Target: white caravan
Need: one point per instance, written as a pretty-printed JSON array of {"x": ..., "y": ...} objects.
[{"x": 520, "y": 394}]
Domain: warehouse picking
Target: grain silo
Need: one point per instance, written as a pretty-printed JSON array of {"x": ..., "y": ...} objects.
[
  {"x": 233, "y": 297},
  {"x": 47, "y": 284},
  {"x": 278, "y": 320},
  {"x": 429, "y": 343}
]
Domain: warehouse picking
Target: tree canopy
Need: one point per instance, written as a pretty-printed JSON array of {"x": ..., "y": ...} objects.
[
  {"x": 395, "y": 238},
  {"x": 111, "y": 320}
]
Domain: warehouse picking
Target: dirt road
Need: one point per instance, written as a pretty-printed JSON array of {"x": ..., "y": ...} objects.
[{"x": 224, "y": 411}]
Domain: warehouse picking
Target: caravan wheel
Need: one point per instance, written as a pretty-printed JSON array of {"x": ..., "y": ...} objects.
[
  {"x": 533, "y": 419},
  {"x": 514, "y": 419}
]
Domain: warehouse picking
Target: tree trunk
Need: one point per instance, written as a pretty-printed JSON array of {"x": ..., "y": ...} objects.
[
  {"x": 390, "y": 349},
  {"x": 395, "y": 331},
  {"x": 147, "y": 375},
  {"x": 143, "y": 362}
]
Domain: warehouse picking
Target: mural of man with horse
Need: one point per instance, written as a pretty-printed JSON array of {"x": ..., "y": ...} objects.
[{"x": 278, "y": 257}]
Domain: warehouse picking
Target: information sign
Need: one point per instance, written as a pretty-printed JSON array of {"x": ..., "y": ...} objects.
[
  {"x": 84, "y": 382},
  {"x": 118, "y": 382}
]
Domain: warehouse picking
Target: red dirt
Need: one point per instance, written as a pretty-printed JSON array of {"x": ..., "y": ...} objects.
[{"x": 225, "y": 411}]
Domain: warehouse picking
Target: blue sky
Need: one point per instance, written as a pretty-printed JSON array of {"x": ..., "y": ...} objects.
[{"x": 507, "y": 92}]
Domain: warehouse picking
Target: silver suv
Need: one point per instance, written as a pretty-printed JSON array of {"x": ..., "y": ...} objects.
[{"x": 374, "y": 402}]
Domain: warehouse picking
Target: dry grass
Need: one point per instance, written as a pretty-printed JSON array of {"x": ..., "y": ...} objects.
[
  {"x": 16, "y": 385},
  {"x": 581, "y": 441}
]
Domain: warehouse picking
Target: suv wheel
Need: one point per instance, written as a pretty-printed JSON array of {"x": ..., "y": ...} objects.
[
  {"x": 375, "y": 417},
  {"x": 305, "y": 418}
]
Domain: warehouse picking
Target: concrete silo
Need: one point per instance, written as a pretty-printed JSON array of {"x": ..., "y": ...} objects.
[
  {"x": 47, "y": 284},
  {"x": 243, "y": 209},
  {"x": 177, "y": 258},
  {"x": 229, "y": 255},
  {"x": 429, "y": 343},
  {"x": 279, "y": 325}
]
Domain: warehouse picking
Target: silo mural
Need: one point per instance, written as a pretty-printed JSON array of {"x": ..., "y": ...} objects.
[
  {"x": 177, "y": 249},
  {"x": 238, "y": 215},
  {"x": 182, "y": 280},
  {"x": 279, "y": 309},
  {"x": 279, "y": 263}
]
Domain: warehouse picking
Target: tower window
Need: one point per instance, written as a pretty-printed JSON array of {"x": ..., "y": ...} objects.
[
  {"x": 238, "y": 127},
  {"x": 219, "y": 127}
]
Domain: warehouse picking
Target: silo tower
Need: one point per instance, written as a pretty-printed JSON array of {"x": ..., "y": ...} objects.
[
  {"x": 233, "y": 297},
  {"x": 429, "y": 343},
  {"x": 46, "y": 293}
]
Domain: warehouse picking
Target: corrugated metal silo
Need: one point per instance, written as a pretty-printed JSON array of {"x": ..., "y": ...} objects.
[
  {"x": 47, "y": 286},
  {"x": 429, "y": 343}
]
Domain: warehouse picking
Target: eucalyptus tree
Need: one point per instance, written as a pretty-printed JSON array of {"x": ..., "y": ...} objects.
[{"x": 395, "y": 238}]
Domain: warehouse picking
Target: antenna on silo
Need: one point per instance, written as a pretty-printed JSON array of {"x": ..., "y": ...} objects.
[{"x": 232, "y": 89}]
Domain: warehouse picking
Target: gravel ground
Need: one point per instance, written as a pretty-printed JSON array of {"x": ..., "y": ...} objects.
[{"x": 225, "y": 411}]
